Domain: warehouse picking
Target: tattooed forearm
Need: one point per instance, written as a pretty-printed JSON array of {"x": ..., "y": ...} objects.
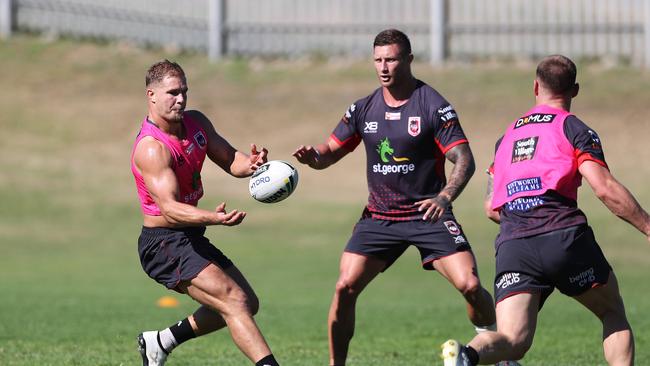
[
  {"x": 490, "y": 188},
  {"x": 487, "y": 204},
  {"x": 463, "y": 160}
]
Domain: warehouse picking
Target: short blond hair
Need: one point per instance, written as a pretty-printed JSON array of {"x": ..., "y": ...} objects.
[{"x": 161, "y": 69}]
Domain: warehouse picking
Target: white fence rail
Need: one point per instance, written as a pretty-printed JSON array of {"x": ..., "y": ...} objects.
[{"x": 439, "y": 29}]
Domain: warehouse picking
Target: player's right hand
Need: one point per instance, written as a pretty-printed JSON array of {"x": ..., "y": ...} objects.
[
  {"x": 306, "y": 155},
  {"x": 231, "y": 218}
]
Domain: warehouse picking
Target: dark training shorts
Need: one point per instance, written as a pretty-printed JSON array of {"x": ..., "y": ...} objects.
[
  {"x": 387, "y": 240},
  {"x": 170, "y": 256},
  {"x": 569, "y": 259}
]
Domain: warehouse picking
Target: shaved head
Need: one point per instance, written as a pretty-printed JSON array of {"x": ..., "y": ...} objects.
[{"x": 557, "y": 74}]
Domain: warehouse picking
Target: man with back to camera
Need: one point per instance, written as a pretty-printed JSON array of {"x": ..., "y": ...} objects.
[
  {"x": 408, "y": 130},
  {"x": 544, "y": 240},
  {"x": 166, "y": 162}
]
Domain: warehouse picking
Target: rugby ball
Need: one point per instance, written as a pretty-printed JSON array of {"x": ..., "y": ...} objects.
[{"x": 273, "y": 181}]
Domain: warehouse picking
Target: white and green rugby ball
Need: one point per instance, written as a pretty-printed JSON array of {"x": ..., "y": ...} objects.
[{"x": 273, "y": 181}]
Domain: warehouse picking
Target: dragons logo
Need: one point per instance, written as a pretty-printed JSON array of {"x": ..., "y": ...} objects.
[{"x": 385, "y": 150}]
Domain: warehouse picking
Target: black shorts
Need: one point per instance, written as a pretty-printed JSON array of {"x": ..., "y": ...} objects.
[
  {"x": 567, "y": 259},
  {"x": 170, "y": 256},
  {"x": 387, "y": 240}
]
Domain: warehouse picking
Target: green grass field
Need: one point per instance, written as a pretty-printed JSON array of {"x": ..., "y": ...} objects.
[{"x": 71, "y": 288}]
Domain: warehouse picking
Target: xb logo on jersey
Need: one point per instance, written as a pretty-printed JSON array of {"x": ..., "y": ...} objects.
[{"x": 371, "y": 127}]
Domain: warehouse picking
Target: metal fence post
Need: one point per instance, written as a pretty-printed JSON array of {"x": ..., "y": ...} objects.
[
  {"x": 438, "y": 32},
  {"x": 216, "y": 29},
  {"x": 6, "y": 18},
  {"x": 646, "y": 34}
]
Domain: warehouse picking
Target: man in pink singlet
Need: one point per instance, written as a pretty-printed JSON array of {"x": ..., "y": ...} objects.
[
  {"x": 544, "y": 240},
  {"x": 166, "y": 162}
]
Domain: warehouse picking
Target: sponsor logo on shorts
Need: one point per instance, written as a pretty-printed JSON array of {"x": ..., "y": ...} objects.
[
  {"x": 200, "y": 139},
  {"x": 524, "y": 185},
  {"x": 524, "y": 149},
  {"x": 393, "y": 116},
  {"x": 583, "y": 278},
  {"x": 535, "y": 118},
  {"x": 371, "y": 127},
  {"x": 459, "y": 239},
  {"x": 414, "y": 126},
  {"x": 507, "y": 280},
  {"x": 452, "y": 227},
  {"x": 524, "y": 204}
]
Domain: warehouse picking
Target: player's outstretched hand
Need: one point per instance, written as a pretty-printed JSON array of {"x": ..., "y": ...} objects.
[
  {"x": 258, "y": 157},
  {"x": 231, "y": 218},
  {"x": 306, "y": 155},
  {"x": 433, "y": 207}
]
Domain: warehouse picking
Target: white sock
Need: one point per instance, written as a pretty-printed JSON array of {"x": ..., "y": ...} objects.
[
  {"x": 167, "y": 340},
  {"x": 481, "y": 329}
]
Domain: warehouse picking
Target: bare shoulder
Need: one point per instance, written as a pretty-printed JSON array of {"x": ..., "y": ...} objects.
[
  {"x": 200, "y": 118},
  {"x": 151, "y": 152}
]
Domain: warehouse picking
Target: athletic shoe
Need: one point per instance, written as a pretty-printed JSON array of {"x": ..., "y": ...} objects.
[
  {"x": 507, "y": 363},
  {"x": 453, "y": 354},
  {"x": 152, "y": 352}
]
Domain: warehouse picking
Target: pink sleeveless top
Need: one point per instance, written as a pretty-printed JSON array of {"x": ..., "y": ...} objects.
[
  {"x": 187, "y": 160},
  {"x": 534, "y": 157}
]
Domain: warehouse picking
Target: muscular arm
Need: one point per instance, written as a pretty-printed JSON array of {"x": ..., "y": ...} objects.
[
  {"x": 487, "y": 204},
  {"x": 615, "y": 196},
  {"x": 464, "y": 167},
  {"x": 154, "y": 161},
  {"x": 463, "y": 160},
  {"x": 231, "y": 160},
  {"x": 320, "y": 156}
]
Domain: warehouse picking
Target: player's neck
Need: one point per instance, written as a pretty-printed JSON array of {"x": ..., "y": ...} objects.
[
  {"x": 398, "y": 94},
  {"x": 169, "y": 127},
  {"x": 554, "y": 102}
]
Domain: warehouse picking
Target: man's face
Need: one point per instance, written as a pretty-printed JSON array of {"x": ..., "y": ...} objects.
[
  {"x": 392, "y": 68},
  {"x": 169, "y": 98}
]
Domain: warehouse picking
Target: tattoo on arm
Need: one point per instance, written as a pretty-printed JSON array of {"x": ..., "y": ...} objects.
[
  {"x": 463, "y": 160},
  {"x": 490, "y": 188}
]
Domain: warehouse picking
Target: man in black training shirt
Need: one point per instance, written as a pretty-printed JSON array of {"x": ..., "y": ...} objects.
[{"x": 408, "y": 130}]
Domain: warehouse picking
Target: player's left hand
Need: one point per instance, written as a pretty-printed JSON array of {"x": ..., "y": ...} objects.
[
  {"x": 257, "y": 157},
  {"x": 433, "y": 207}
]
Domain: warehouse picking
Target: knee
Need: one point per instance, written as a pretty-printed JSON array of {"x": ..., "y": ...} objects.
[
  {"x": 253, "y": 304},
  {"x": 242, "y": 302},
  {"x": 346, "y": 289},
  {"x": 469, "y": 286},
  {"x": 519, "y": 347},
  {"x": 518, "y": 352}
]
